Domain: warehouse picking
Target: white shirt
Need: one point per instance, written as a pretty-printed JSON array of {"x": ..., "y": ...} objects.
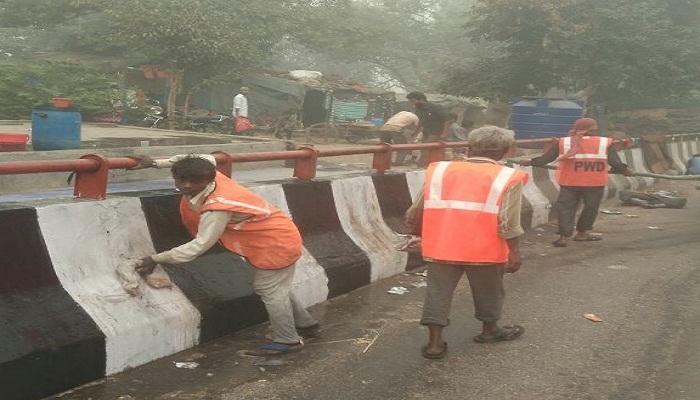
[
  {"x": 212, "y": 224},
  {"x": 240, "y": 105}
]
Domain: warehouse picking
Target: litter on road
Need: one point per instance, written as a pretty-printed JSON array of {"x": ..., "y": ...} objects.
[
  {"x": 655, "y": 228},
  {"x": 400, "y": 290},
  {"x": 186, "y": 365},
  {"x": 618, "y": 267},
  {"x": 419, "y": 284},
  {"x": 592, "y": 317},
  {"x": 611, "y": 212}
]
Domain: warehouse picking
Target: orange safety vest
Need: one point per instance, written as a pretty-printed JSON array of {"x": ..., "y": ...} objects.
[
  {"x": 587, "y": 168},
  {"x": 462, "y": 201},
  {"x": 268, "y": 240}
]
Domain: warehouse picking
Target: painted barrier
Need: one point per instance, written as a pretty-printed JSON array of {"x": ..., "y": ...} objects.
[{"x": 65, "y": 321}]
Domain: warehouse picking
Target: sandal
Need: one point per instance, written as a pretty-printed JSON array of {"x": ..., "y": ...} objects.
[
  {"x": 506, "y": 333},
  {"x": 274, "y": 348},
  {"x": 560, "y": 243},
  {"x": 434, "y": 356},
  {"x": 587, "y": 237}
]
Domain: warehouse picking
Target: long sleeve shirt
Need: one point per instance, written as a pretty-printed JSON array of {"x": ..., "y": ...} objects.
[
  {"x": 616, "y": 164},
  {"x": 212, "y": 224}
]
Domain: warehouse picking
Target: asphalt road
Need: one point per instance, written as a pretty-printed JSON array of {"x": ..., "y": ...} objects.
[{"x": 644, "y": 284}]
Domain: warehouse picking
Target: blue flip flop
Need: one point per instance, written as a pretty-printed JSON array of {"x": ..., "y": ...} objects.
[{"x": 273, "y": 348}]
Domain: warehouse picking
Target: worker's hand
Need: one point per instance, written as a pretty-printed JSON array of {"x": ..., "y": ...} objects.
[
  {"x": 514, "y": 262},
  {"x": 144, "y": 162},
  {"x": 628, "y": 172},
  {"x": 146, "y": 266},
  {"x": 525, "y": 163}
]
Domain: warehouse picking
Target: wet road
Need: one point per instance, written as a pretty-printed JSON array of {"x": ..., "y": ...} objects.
[{"x": 644, "y": 284}]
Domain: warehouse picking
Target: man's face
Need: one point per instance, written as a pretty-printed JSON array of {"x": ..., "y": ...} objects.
[
  {"x": 416, "y": 103},
  {"x": 190, "y": 187}
]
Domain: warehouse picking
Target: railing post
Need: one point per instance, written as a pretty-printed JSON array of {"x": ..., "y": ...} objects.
[
  {"x": 437, "y": 154},
  {"x": 305, "y": 168},
  {"x": 225, "y": 167},
  {"x": 382, "y": 161},
  {"x": 92, "y": 185}
]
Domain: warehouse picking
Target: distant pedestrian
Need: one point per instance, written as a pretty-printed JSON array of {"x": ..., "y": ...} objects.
[
  {"x": 469, "y": 219},
  {"x": 399, "y": 129},
  {"x": 456, "y": 133},
  {"x": 216, "y": 209},
  {"x": 582, "y": 173},
  {"x": 241, "y": 121},
  {"x": 434, "y": 121}
]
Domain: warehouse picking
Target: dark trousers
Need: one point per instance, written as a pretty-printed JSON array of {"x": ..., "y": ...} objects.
[
  {"x": 567, "y": 204},
  {"x": 486, "y": 284}
]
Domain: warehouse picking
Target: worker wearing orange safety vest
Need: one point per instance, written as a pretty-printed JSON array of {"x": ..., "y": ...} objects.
[
  {"x": 582, "y": 173},
  {"x": 469, "y": 220},
  {"x": 214, "y": 208}
]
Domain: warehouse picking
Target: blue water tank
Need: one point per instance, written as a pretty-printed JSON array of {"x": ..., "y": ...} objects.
[
  {"x": 538, "y": 118},
  {"x": 55, "y": 128}
]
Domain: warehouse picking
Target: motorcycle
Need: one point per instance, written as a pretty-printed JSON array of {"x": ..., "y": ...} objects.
[
  {"x": 154, "y": 117},
  {"x": 212, "y": 123}
]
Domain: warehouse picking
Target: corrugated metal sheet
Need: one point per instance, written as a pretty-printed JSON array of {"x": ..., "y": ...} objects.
[{"x": 348, "y": 111}]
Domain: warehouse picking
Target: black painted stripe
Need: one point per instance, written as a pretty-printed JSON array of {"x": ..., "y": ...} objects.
[
  {"x": 394, "y": 200},
  {"x": 313, "y": 209},
  {"x": 48, "y": 343},
  {"x": 219, "y": 283}
]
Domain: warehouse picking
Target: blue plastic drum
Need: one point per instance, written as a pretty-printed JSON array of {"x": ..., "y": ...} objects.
[{"x": 55, "y": 128}]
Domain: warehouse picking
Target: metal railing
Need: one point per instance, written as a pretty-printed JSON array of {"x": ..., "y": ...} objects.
[{"x": 92, "y": 170}]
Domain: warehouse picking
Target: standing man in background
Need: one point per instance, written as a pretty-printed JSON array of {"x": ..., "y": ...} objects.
[
  {"x": 582, "y": 172},
  {"x": 434, "y": 121},
  {"x": 241, "y": 122},
  {"x": 397, "y": 130}
]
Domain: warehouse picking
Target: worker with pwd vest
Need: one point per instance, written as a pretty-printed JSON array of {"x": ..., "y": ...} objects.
[
  {"x": 214, "y": 208},
  {"x": 583, "y": 158},
  {"x": 469, "y": 218}
]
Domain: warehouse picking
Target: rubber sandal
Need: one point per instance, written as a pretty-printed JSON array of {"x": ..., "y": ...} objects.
[
  {"x": 434, "y": 356},
  {"x": 587, "y": 238},
  {"x": 560, "y": 243},
  {"x": 273, "y": 348},
  {"x": 506, "y": 333}
]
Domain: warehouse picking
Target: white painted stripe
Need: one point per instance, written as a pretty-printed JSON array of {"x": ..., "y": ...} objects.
[
  {"x": 460, "y": 205},
  {"x": 539, "y": 202},
  {"x": 310, "y": 280},
  {"x": 638, "y": 165},
  {"x": 360, "y": 215},
  {"x": 86, "y": 242},
  {"x": 415, "y": 181},
  {"x": 674, "y": 150}
]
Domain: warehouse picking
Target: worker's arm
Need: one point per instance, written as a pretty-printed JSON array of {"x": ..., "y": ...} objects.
[
  {"x": 148, "y": 162},
  {"x": 509, "y": 226},
  {"x": 414, "y": 215},
  {"x": 544, "y": 159},
  {"x": 616, "y": 164},
  {"x": 212, "y": 225}
]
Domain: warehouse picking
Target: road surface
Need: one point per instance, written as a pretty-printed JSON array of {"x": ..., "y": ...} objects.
[{"x": 644, "y": 284}]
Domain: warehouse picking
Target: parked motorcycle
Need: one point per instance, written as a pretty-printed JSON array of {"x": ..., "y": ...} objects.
[
  {"x": 154, "y": 117},
  {"x": 212, "y": 123}
]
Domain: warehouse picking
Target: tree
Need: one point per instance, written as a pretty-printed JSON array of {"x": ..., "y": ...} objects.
[{"x": 615, "y": 52}]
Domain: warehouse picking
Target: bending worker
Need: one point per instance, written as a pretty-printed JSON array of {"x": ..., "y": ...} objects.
[
  {"x": 214, "y": 208},
  {"x": 583, "y": 158},
  {"x": 397, "y": 130},
  {"x": 470, "y": 216}
]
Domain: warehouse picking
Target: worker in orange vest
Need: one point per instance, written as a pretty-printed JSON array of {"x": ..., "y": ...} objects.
[
  {"x": 469, "y": 220},
  {"x": 214, "y": 208},
  {"x": 582, "y": 173}
]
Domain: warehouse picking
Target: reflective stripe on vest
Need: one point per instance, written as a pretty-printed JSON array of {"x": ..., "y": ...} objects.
[
  {"x": 602, "y": 153},
  {"x": 435, "y": 200}
]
